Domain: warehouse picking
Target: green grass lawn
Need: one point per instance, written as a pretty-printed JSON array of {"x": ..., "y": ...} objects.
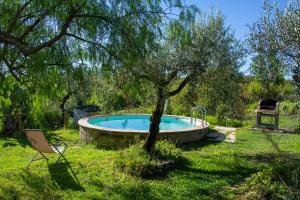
[{"x": 211, "y": 170}]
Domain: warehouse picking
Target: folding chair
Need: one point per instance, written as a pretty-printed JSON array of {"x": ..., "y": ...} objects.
[{"x": 40, "y": 143}]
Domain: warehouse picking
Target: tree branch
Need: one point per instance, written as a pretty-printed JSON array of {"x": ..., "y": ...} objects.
[
  {"x": 181, "y": 85},
  {"x": 108, "y": 19},
  {"x": 18, "y": 12},
  {"x": 11, "y": 70},
  {"x": 28, "y": 51},
  {"x": 94, "y": 43},
  {"x": 13, "y": 41},
  {"x": 33, "y": 25},
  {"x": 104, "y": 18},
  {"x": 172, "y": 75},
  {"x": 62, "y": 33},
  {"x": 84, "y": 40}
]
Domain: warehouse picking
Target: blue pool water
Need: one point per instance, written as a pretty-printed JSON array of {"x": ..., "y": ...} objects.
[{"x": 139, "y": 122}]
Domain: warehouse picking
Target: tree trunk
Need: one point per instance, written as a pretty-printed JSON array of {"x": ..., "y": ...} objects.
[
  {"x": 62, "y": 107},
  {"x": 296, "y": 78},
  {"x": 10, "y": 125},
  {"x": 155, "y": 122}
]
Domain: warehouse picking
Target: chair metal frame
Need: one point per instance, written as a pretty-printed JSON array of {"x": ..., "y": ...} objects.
[{"x": 54, "y": 145}]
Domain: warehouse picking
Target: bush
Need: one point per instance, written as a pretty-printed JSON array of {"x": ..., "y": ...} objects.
[
  {"x": 290, "y": 108},
  {"x": 211, "y": 119},
  {"x": 288, "y": 173},
  {"x": 234, "y": 123},
  {"x": 282, "y": 181},
  {"x": 165, "y": 150},
  {"x": 52, "y": 119},
  {"x": 261, "y": 186},
  {"x": 135, "y": 160}
]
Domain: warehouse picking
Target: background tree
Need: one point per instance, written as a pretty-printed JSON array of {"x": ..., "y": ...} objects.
[
  {"x": 219, "y": 90},
  {"x": 270, "y": 71},
  {"x": 117, "y": 90},
  {"x": 73, "y": 81},
  {"x": 277, "y": 33}
]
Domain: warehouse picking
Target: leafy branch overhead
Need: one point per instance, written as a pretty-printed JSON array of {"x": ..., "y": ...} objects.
[{"x": 96, "y": 30}]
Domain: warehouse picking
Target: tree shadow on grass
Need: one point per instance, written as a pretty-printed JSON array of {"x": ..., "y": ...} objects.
[
  {"x": 233, "y": 172},
  {"x": 195, "y": 181},
  {"x": 63, "y": 176},
  {"x": 9, "y": 192},
  {"x": 161, "y": 172},
  {"x": 136, "y": 191},
  {"x": 11, "y": 142},
  {"x": 270, "y": 157},
  {"x": 215, "y": 181},
  {"x": 198, "y": 145},
  {"x": 42, "y": 186},
  {"x": 38, "y": 186}
]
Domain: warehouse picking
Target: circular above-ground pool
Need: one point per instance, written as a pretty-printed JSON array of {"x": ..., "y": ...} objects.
[{"x": 130, "y": 128}]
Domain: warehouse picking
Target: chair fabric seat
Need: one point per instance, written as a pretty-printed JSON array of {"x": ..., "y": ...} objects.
[
  {"x": 61, "y": 149},
  {"x": 40, "y": 143}
]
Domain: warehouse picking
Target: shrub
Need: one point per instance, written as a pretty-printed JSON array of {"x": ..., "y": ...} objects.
[
  {"x": 221, "y": 113},
  {"x": 234, "y": 123},
  {"x": 281, "y": 181},
  {"x": 261, "y": 186},
  {"x": 288, "y": 173},
  {"x": 52, "y": 119},
  {"x": 135, "y": 160},
  {"x": 165, "y": 150},
  {"x": 290, "y": 108},
  {"x": 211, "y": 119}
]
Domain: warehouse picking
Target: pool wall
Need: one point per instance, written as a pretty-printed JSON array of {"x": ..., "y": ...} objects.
[{"x": 94, "y": 134}]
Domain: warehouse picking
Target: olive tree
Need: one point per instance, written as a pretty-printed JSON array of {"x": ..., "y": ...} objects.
[
  {"x": 270, "y": 71},
  {"x": 208, "y": 43},
  {"x": 277, "y": 33}
]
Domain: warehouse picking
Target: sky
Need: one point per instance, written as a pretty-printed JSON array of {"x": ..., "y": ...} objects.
[{"x": 238, "y": 14}]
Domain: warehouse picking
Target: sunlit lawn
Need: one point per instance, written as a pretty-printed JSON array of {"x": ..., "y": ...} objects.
[{"x": 211, "y": 170}]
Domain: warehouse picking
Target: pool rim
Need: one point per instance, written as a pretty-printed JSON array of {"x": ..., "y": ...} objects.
[{"x": 84, "y": 123}]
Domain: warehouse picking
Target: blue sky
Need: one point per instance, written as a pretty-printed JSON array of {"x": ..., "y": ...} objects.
[{"x": 238, "y": 13}]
